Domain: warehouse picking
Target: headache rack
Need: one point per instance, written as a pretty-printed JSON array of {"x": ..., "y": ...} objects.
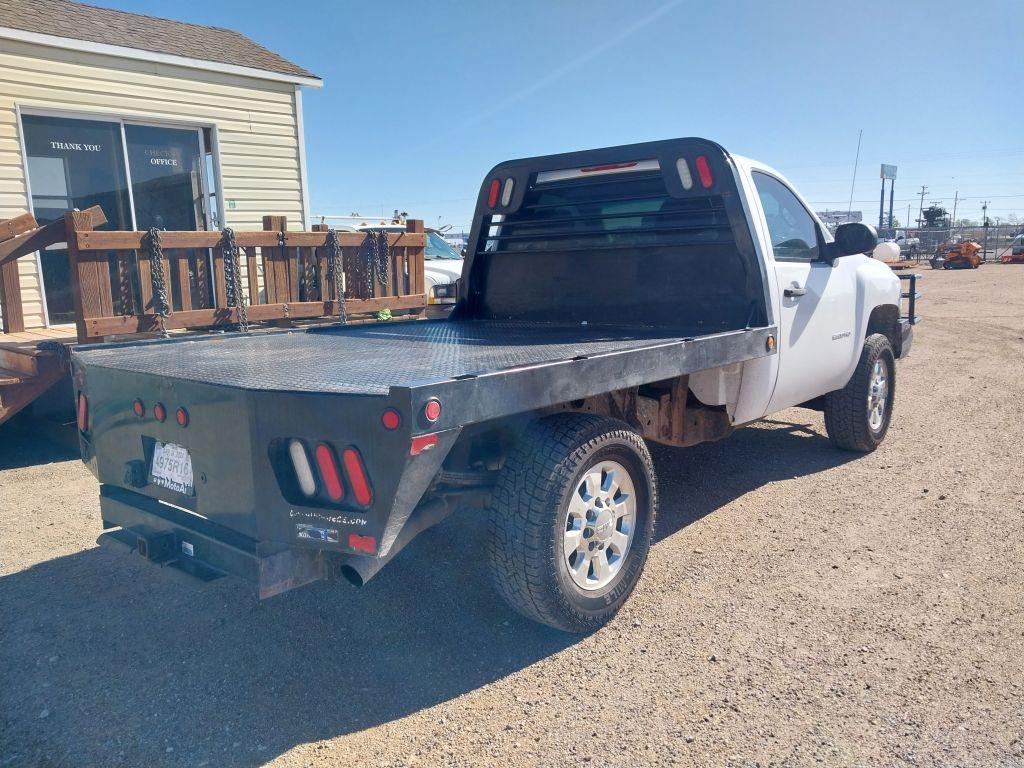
[{"x": 621, "y": 211}]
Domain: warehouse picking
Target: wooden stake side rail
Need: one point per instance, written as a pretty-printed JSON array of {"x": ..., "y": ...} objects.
[{"x": 113, "y": 289}]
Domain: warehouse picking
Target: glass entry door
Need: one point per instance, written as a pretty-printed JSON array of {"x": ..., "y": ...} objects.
[
  {"x": 166, "y": 171},
  {"x": 142, "y": 176},
  {"x": 73, "y": 164}
]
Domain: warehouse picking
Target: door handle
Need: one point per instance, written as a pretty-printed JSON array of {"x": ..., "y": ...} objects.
[{"x": 794, "y": 290}]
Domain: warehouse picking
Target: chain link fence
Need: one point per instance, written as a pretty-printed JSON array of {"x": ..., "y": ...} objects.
[{"x": 995, "y": 240}]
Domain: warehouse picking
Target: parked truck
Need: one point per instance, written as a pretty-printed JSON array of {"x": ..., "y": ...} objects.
[{"x": 667, "y": 292}]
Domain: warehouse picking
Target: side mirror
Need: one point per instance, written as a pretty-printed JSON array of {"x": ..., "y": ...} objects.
[{"x": 853, "y": 238}]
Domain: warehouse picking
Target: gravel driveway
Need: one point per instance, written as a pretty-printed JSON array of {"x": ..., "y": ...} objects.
[{"x": 802, "y": 606}]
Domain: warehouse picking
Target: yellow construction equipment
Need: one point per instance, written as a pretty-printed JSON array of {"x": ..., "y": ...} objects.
[{"x": 955, "y": 254}]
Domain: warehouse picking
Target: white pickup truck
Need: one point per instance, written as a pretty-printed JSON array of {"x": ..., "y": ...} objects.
[{"x": 667, "y": 292}]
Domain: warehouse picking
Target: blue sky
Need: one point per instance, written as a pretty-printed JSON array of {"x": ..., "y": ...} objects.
[{"x": 421, "y": 99}]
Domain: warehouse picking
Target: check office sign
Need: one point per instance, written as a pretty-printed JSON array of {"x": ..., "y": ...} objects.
[{"x": 166, "y": 157}]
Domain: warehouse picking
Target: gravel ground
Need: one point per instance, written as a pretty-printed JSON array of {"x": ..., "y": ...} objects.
[{"x": 802, "y": 606}]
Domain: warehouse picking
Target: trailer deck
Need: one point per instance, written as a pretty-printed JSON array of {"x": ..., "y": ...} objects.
[{"x": 370, "y": 359}]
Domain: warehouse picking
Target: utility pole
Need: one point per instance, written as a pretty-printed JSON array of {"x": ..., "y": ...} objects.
[
  {"x": 984, "y": 223},
  {"x": 952, "y": 221},
  {"x": 920, "y": 212}
]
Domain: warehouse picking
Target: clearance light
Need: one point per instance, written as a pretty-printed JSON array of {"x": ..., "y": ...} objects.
[
  {"x": 160, "y": 412},
  {"x": 357, "y": 476},
  {"x": 492, "y": 196},
  {"x": 421, "y": 444},
  {"x": 300, "y": 462},
  {"x": 181, "y": 415},
  {"x": 704, "y": 171},
  {"x": 506, "y": 191},
  {"x": 684, "y": 173},
  {"x": 432, "y": 410},
  {"x": 366, "y": 544},
  {"x": 329, "y": 472},
  {"x": 391, "y": 419},
  {"x": 83, "y": 412},
  {"x": 139, "y": 408}
]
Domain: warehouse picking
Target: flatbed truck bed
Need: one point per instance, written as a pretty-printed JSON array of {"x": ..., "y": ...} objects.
[{"x": 471, "y": 363}]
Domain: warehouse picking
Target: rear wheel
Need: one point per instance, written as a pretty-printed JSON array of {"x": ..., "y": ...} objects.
[
  {"x": 857, "y": 416},
  {"x": 572, "y": 520}
]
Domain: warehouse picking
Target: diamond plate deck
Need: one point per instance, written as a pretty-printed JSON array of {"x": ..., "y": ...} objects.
[{"x": 367, "y": 359}]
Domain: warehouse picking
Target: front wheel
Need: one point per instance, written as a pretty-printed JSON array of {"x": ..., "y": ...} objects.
[
  {"x": 857, "y": 416},
  {"x": 572, "y": 520}
]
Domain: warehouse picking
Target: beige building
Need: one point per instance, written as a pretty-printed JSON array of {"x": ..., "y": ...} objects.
[{"x": 159, "y": 122}]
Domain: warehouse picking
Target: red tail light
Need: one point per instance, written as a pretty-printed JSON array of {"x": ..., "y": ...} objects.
[
  {"x": 329, "y": 472},
  {"x": 391, "y": 419},
  {"x": 704, "y": 171},
  {"x": 492, "y": 195},
  {"x": 138, "y": 408},
  {"x": 432, "y": 410},
  {"x": 182, "y": 416},
  {"x": 366, "y": 544},
  {"x": 357, "y": 476},
  {"x": 421, "y": 444},
  {"x": 160, "y": 412},
  {"x": 83, "y": 412}
]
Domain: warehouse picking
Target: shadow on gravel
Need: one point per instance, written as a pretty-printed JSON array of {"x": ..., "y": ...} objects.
[
  {"x": 694, "y": 482},
  {"x": 107, "y": 660},
  {"x": 21, "y": 445}
]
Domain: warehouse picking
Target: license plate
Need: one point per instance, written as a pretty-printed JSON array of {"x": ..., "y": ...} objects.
[{"x": 171, "y": 468}]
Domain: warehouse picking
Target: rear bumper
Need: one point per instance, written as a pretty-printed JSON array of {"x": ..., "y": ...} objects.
[{"x": 171, "y": 536}]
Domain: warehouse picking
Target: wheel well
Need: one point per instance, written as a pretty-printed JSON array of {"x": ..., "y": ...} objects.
[{"x": 885, "y": 319}]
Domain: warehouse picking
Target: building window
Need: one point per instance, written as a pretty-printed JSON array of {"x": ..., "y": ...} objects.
[{"x": 141, "y": 175}]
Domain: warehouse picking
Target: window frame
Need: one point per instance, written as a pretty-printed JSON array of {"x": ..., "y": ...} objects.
[
  {"x": 122, "y": 119},
  {"x": 821, "y": 242}
]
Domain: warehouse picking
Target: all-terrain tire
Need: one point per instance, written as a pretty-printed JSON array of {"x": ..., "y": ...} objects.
[
  {"x": 847, "y": 411},
  {"x": 528, "y": 518}
]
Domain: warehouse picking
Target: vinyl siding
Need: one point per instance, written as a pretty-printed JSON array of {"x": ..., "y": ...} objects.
[{"x": 255, "y": 121}]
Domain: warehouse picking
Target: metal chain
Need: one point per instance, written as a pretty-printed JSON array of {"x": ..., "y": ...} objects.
[
  {"x": 161, "y": 306},
  {"x": 336, "y": 272},
  {"x": 233, "y": 277},
  {"x": 382, "y": 251},
  {"x": 375, "y": 251}
]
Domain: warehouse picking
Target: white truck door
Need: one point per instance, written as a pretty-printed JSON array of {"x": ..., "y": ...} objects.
[{"x": 814, "y": 300}]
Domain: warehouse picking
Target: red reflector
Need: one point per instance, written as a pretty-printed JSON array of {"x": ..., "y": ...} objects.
[
  {"x": 432, "y": 410},
  {"x": 329, "y": 472},
  {"x": 83, "y": 412},
  {"x": 160, "y": 412},
  {"x": 607, "y": 167},
  {"x": 492, "y": 196},
  {"x": 357, "y": 476},
  {"x": 391, "y": 419},
  {"x": 704, "y": 171},
  {"x": 182, "y": 416},
  {"x": 139, "y": 409},
  {"x": 421, "y": 444},
  {"x": 359, "y": 543}
]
